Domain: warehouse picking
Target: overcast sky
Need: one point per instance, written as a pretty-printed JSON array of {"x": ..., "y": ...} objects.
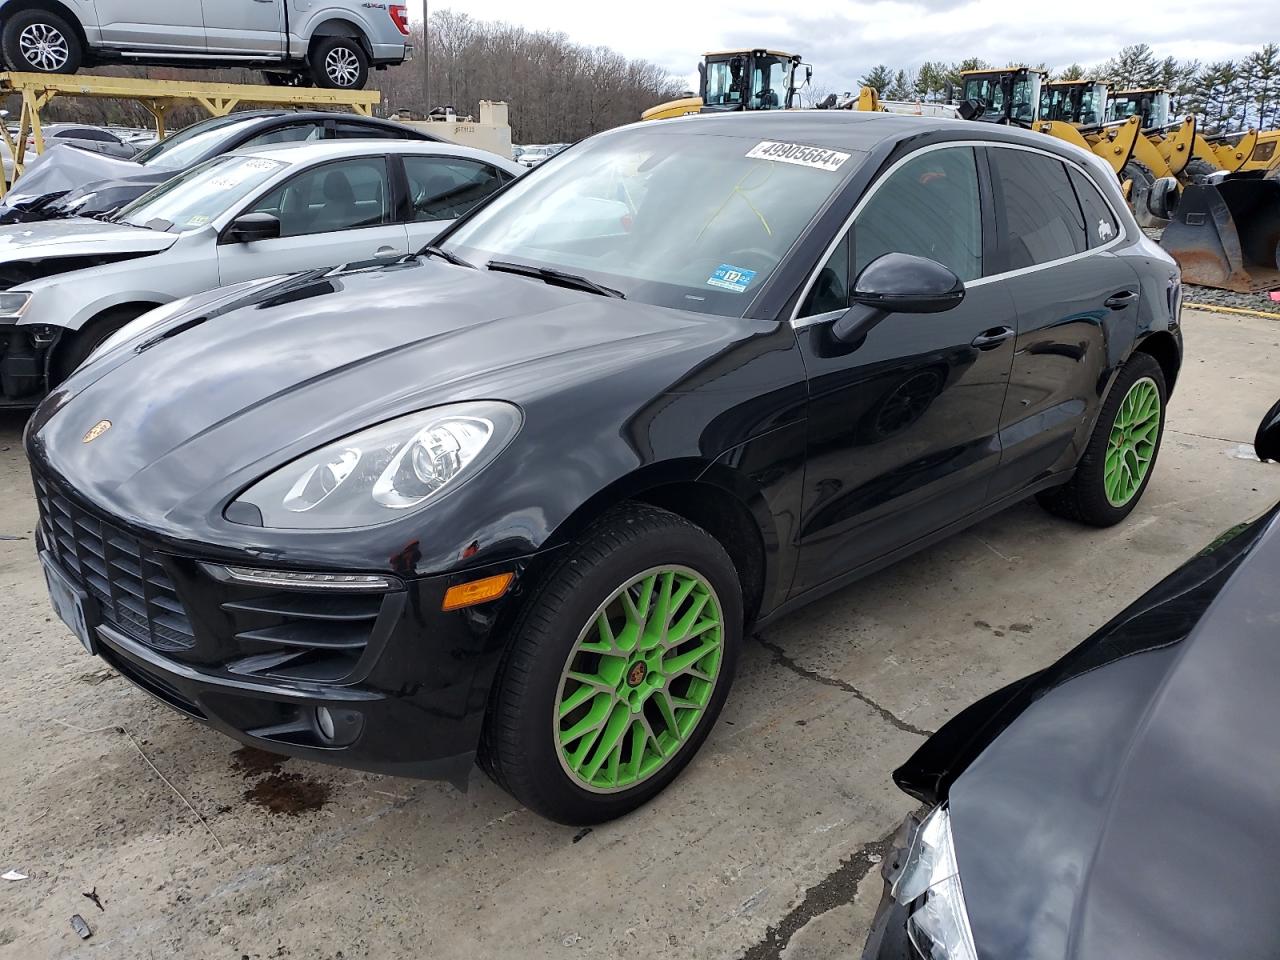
[{"x": 843, "y": 39}]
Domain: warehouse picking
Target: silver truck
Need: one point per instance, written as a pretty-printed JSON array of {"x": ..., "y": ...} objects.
[{"x": 331, "y": 43}]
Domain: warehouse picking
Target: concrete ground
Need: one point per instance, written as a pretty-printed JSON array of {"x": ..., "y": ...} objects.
[{"x": 767, "y": 846}]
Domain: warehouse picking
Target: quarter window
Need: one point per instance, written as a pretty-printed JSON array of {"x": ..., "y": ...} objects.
[
  {"x": 337, "y": 196},
  {"x": 445, "y": 188},
  {"x": 1042, "y": 218},
  {"x": 928, "y": 207},
  {"x": 1099, "y": 222}
]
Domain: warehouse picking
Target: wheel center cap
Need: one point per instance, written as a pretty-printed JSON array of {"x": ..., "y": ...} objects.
[{"x": 637, "y": 673}]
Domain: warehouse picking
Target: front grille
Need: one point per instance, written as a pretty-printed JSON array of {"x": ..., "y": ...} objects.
[{"x": 127, "y": 579}]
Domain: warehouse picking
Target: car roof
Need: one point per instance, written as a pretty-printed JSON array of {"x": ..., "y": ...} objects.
[
  {"x": 318, "y": 151},
  {"x": 854, "y": 129}
]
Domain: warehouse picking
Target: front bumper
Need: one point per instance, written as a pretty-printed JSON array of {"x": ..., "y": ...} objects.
[{"x": 407, "y": 683}]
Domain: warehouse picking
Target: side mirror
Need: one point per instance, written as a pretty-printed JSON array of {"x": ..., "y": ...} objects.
[
  {"x": 1266, "y": 443},
  {"x": 902, "y": 283},
  {"x": 972, "y": 108},
  {"x": 1162, "y": 198},
  {"x": 251, "y": 227}
]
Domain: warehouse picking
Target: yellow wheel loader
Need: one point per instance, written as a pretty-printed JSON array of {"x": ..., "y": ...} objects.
[
  {"x": 1166, "y": 147},
  {"x": 1076, "y": 111},
  {"x": 732, "y": 80}
]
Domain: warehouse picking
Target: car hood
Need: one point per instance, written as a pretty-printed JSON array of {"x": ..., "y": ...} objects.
[
  {"x": 1124, "y": 808},
  {"x": 79, "y": 237},
  {"x": 64, "y": 168},
  {"x": 232, "y": 393}
]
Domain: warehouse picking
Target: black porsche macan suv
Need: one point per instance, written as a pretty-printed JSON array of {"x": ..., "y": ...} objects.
[{"x": 517, "y": 497}]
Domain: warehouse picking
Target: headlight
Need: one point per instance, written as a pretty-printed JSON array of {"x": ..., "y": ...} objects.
[
  {"x": 378, "y": 474},
  {"x": 929, "y": 886},
  {"x": 13, "y": 304}
]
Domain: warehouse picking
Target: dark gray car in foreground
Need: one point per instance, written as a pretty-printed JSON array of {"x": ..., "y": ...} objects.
[{"x": 1121, "y": 803}]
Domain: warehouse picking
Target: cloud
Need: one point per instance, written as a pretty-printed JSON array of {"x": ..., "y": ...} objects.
[{"x": 844, "y": 40}]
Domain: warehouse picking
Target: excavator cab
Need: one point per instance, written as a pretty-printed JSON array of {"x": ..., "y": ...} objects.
[
  {"x": 1010, "y": 96},
  {"x": 1152, "y": 105},
  {"x": 1081, "y": 103},
  {"x": 749, "y": 80},
  {"x": 732, "y": 80}
]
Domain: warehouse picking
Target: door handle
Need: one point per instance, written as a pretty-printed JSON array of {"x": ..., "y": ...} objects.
[
  {"x": 1121, "y": 300},
  {"x": 990, "y": 339},
  {"x": 387, "y": 253}
]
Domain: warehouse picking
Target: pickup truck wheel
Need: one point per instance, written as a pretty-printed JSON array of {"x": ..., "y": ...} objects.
[
  {"x": 618, "y": 668},
  {"x": 38, "y": 42},
  {"x": 77, "y": 345},
  {"x": 339, "y": 63}
]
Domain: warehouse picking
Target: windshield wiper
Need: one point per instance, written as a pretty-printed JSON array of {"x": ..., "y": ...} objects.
[
  {"x": 431, "y": 250},
  {"x": 555, "y": 277}
]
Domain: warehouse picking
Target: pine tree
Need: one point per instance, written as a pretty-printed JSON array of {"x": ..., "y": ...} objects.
[
  {"x": 1072, "y": 72},
  {"x": 1133, "y": 68},
  {"x": 879, "y": 78},
  {"x": 1262, "y": 68}
]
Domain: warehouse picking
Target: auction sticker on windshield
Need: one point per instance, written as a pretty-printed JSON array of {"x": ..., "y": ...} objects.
[
  {"x": 731, "y": 278},
  {"x": 820, "y": 158}
]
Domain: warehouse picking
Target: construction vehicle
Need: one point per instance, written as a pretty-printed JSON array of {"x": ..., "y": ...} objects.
[
  {"x": 732, "y": 80},
  {"x": 1076, "y": 111},
  {"x": 1009, "y": 96}
]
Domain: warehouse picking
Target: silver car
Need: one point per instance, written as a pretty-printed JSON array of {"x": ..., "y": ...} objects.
[
  {"x": 332, "y": 44},
  {"x": 94, "y": 139},
  {"x": 69, "y": 284}
]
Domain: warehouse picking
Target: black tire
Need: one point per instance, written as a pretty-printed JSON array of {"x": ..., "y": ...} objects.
[
  {"x": 1198, "y": 169},
  {"x": 296, "y": 79},
  {"x": 518, "y": 749},
  {"x": 75, "y": 347},
  {"x": 61, "y": 52},
  {"x": 1143, "y": 179},
  {"x": 339, "y": 63},
  {"x": 1084, "y": 499}
]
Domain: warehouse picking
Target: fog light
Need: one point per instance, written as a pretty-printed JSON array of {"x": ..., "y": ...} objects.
[{"x": 338, "y": 728}]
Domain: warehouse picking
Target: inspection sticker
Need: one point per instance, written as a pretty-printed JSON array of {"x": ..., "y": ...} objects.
[
  {"x": 731, "y": 278},
  {"x": 819, "y": 158}
]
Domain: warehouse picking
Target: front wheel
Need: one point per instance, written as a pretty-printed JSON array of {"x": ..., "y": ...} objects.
[
  {"x": 1116, "y": 467},
  {"x": 35, "y": 41},
  {"x": 619, "y": 668},
  {"x": 339, "y": 63}
]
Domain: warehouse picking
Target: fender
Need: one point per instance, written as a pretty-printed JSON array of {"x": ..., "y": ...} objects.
[{"x": 87, "y": 311}]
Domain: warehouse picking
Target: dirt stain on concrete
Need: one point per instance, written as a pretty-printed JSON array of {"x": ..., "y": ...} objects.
[
  {"x": 290, "y": 794},
  {"x": 254, "y": 763}
]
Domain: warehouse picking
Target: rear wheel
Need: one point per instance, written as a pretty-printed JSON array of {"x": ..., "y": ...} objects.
[
  {"x": 339, "y": 63},
  {"x": 38, "y": 42},
  {"x": 619, "y": 668},
  {"x": 1116, "y": 467}
]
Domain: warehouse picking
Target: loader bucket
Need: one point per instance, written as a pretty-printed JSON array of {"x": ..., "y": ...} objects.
[{"x": 1227, "y": 235}]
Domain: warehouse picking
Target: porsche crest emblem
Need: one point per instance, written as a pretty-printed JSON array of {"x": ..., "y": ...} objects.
[{"x": 97, "y": 430}]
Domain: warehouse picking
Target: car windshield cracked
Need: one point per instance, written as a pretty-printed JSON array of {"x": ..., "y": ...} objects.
[{"x": 687, "y": 221}]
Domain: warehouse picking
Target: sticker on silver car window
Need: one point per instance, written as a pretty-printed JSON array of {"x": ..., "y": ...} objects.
[{"x": 819, "y": 158}]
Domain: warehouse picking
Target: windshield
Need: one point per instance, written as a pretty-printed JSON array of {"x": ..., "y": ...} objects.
[
  {"x": 201, "y": 195},
  {"x": 989, "y": 90},
  {"x": 674, "y": 219},
  {"x": 187, "y": 146},
  {"x": 765, "y": 89},
  {"x": 1078, "y": 104},
  {"x": 1152, "y": 106}
]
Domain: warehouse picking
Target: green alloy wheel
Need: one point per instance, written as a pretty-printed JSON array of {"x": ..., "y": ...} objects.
[
  {"x": 639, "y": 679},
  {"x": 1132, "y": 444},
  {"x": 621, "y": 658},
  {"x": 1120, "y": 456}
]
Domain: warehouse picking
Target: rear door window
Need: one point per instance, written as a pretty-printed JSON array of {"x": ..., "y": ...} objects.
[
  {"x": 928, "y": 207},
  {"x": 445, "y": 188},
  {"x": 1099, "y": 221},
  {"x": 1038, "y": 207}
]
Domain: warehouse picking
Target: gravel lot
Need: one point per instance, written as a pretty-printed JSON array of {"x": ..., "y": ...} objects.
[{"x": 766, "y": 847}]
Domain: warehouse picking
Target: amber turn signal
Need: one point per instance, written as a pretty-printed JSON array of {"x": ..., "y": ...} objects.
[{"x": 477, "y": 591}]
